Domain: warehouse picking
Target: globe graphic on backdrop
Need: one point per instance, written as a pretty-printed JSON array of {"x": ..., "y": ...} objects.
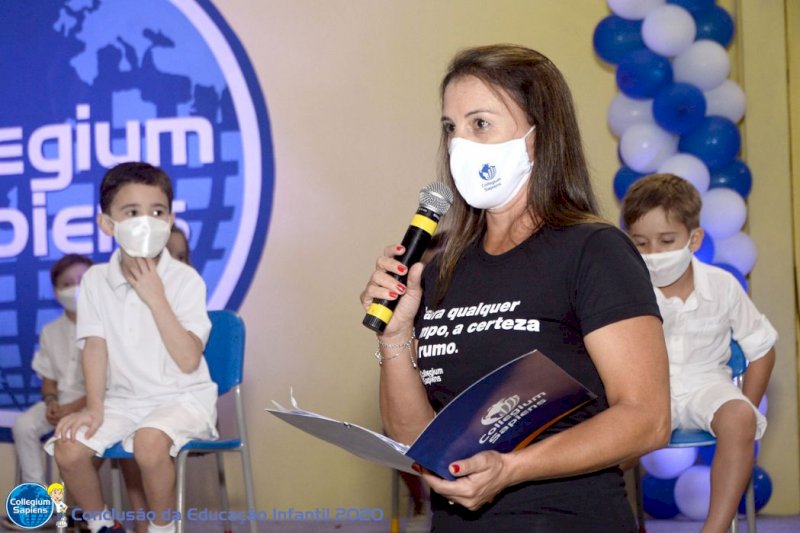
[{"x": 88, "y": 84}]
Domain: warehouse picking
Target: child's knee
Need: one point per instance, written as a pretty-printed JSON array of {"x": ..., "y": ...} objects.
[
  {"x": 735, "y": 418},
  {"x": 70, "y": 454},
  {"x": 151, "y": 447}
]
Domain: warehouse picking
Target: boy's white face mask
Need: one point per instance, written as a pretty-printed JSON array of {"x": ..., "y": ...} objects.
[
  {"x": 143, "y": 236},
  {"x": 666, "y": 267},
  {"x": 68, "y": 297},
  {"x": 489, "y": 176}
]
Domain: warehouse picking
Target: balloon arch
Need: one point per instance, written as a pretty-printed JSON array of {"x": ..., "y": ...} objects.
[{"x": 677, "y": 111}]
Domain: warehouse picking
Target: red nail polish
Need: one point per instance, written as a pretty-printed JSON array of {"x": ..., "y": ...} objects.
[
  {"x": 456, "y": 469},
  {"x": 401, "y": 287},
  {"x": 392, "y": 294},
  {"x": 416, "y": 468},
  {"x": 401, "y": 269},
  {"x": 398, "y": 248}
]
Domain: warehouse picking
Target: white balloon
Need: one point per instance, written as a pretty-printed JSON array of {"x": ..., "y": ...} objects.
[
  {"x": 625, "y": 112},
  {"x": 668, "y": 30},
  {"x": 645, "y": 146},
  {"x": 669, "y": 463},
  {"x": 690, "y": 168},
  {"x": 723, "y": 213},
  {"x": 693, "y": 492},
  {"x": 633, "y": 9},
  {"x": 727, "y": 101},
  {"x": 738, "y": 250},
  {"x": 705, "y": 63}
]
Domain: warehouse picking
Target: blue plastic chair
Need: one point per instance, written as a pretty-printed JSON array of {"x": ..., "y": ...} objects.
[
  {"x": 691, "y": 438},
  {"x": 224, "y": 355}
]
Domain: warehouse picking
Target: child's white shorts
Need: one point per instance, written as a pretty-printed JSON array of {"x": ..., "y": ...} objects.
[
  {"x": 181, "y": 420},
  {"x": 695, "y": 401}
]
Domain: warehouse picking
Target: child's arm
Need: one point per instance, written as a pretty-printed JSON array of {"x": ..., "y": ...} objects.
[
  {"x": 72, "y": 407},
  {"x": 183, "y": 346},
  {"x": 95, "y": 363},
  {"x": 757, "y": 377},
  {"x": 50, "y": 399}
]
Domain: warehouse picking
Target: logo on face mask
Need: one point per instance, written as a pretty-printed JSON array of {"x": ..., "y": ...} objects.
[{"x": 487, "y": 172}]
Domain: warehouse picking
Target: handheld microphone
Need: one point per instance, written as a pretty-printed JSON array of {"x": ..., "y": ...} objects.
[{"x": 434, "y": 201}]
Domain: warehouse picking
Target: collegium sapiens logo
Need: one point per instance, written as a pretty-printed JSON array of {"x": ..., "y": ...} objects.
[{"x": 29, "y": 505}]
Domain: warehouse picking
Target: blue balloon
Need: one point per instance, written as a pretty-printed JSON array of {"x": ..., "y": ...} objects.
[
  {"x": 762, "y": 488},
  {"x": 735, "y": 176},
  {"x": 706, "y": 251},
  {"x": 705, "y": 454},
  {"x": 736, "y": 274},
  {"x": 693, "y": 6},
  {"x": 715, "y": 24},
  {"x": 642, "y": 73},
  {"x": 615, "y": 36},
  {"x": 623, "y": 179},
  {"x": 658, "y": 497},
  {"x": 679, "y": 108},
  {"x": 716, "y": 141}
]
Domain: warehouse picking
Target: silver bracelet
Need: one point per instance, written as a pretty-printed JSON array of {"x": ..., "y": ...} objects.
[{"x": 408, "y": 344}]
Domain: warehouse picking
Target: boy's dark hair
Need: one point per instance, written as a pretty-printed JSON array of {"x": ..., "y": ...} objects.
[
  {"x": 65, "y": 262},
  {"x": 133, "y": 172},
  {"x": 675, "y": 195}
]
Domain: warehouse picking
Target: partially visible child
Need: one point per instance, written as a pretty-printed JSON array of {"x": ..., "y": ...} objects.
[
  {"x": 178, "y": 245},
  {"x": 58, "y": 364},
  {"x": 703, "y": 308},
  {"x": 142, "y": 326}
]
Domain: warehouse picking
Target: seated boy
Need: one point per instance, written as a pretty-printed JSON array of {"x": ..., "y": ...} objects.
[
  {"x": 142, "y": 326},
  {"x": 58, "y": 364},
  {"x": 703, "y": 307}
]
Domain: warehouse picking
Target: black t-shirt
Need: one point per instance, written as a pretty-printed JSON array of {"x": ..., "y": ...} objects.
[{"x": 546, "y": 294}]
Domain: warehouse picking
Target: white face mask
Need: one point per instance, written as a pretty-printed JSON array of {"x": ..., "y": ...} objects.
[
  {"x": 666, "y": 267},
  {"x": 142, "y": 236},
  {"x": 68, "y": 297},
  {"x": 489, "y": 176}
]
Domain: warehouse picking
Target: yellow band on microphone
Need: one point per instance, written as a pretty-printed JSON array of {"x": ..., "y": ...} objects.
[
  {"x": 424, "y": 223},
  {"x": 380, "y": 311}
]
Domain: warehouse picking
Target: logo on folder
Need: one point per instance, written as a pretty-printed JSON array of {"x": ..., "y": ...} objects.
[
  {"x": 90, "y": 84},
  {"x": 497, "y": 411}
]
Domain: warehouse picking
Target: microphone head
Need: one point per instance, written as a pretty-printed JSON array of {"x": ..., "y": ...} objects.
[{"x": 437, "y": 197}]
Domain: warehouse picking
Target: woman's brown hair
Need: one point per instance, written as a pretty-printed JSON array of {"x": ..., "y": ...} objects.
[{"x": 559, "y": 191}]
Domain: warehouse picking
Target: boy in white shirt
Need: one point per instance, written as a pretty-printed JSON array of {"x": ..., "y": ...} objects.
[
  {"x": 142, "y": 327},
  {"x": 703, "y": 307}
]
